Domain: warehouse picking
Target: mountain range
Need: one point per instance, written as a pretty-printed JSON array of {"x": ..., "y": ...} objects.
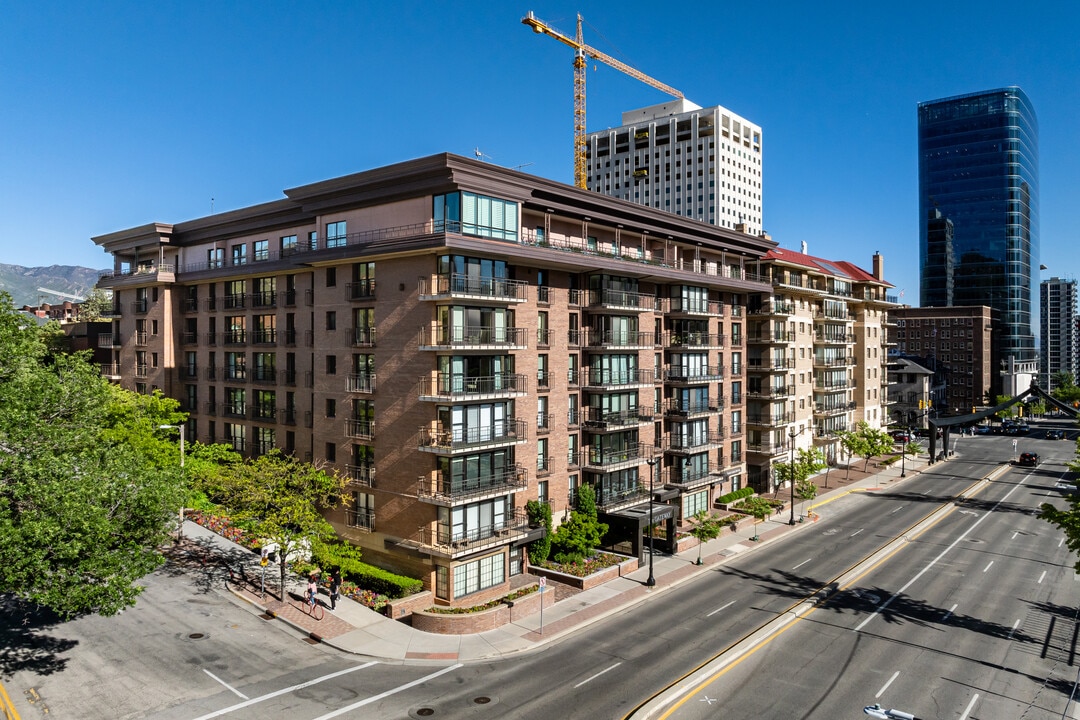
[{"x": 24, "y": 283}]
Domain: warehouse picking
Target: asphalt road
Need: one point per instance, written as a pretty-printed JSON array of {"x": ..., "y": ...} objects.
[
  {"x": 975, "y": 618},
  {"x": 148, "y": 664}
]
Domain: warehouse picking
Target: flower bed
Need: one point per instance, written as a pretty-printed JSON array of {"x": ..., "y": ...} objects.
[
  {"x": 586, "y": 575},
  {"x": 589, "y": 566}
]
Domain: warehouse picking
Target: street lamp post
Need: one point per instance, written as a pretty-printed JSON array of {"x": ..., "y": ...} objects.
[
  {"x": 791, "y": 470},
  {"x": 651, "y": 581},
  {"x": 181, "y": 428}
]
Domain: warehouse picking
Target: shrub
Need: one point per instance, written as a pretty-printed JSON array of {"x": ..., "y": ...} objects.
[
  {"x": 539, "y": 514},
  {"x": 735, "y": 495},
  {"x": 580, "y": 535}
]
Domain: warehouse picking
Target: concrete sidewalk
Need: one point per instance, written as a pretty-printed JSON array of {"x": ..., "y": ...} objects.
[{"x": 353, "y": 628}]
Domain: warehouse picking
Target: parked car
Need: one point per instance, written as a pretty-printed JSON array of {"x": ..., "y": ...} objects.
[
  {"x": 1029, "y": 459},
  {"x": 1055, "y": 434},
  {"x": 901, "y": 436},
  {"x": 982, "y": 430}
]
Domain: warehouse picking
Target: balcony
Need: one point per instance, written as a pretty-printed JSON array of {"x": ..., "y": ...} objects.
[
  {"x": 772, "y": 309},
  {"x": 834, "y": 338},
  {"x": 264, "y": 375},
  {"x": 466, "y": 287},
  {"x": 698, "y": 308},
  {"x": 770, "y": 365},
  {"x": 601, "y": 459},
  {"x": 264, "y": 413},
  {"x": 189, "y": 338},
  {"x": 187, "y": 373},
  {"x": 140, "y": 306},
  {"x": 603, "y": 379},
  {"x": 543, "y": 423},
  {"x": 693, "y": 375},
  {"x": 693, "y": 442},
  {"x": 610, "y": 340},
  {"x": 769, "y": 393},
  {"x": 830, "y": 409},
  {"x": 108, "y": 340},
  {"x": 235, "y": 301},
  {"x": 599, "y": 419},
  {"x": 449, "y": 493},
  {"x": 844, "y": 361},
  {"x": 473, "y": 337},
  {"x": 441, "y": 542},
  {"x": 115, "y": 312},
  {"x": 234, "y": 410},
  {"x": 691, "y": 478},
  {"x": 235, "y": 373},
  {"x": 770, "y": 419},
  {"x": 110, "y": 370},
  {"x": 264, "y": 299},
  {"x": 360, "y": 429},
  {"x": 444, "y": 387},
  {"x": 686, "y": 409},
  {"x": 701, "y": 341},
  {"x": 766, "y": 447},
  {"x": 842, "y": 316},
  {"x": 360, "y": 383},
  {"x": 361, "y": 290},
  {"x": 266, "y": 336},
  {"x": 361, "y": 337},
  {"x": 140, "y": 339},
  {"x": 235, "y": 337},
  {"x": 360, "y": 475},
  {"x": 360, "y": 519},
  {"x": 142, "y": 370},
  {"x": 772, "y": 338},
  {"x": 622, "y": 300},
  {"x": 508, "y": 432},
  {"x": 612, "y": 499},
  {"x": 833, "y": 385}
]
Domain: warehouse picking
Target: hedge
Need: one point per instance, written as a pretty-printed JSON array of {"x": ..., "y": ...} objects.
[{"x": 735, "y": 495}]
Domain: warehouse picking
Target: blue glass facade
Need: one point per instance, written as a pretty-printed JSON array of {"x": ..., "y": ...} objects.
[{"x": 979, "y": 209}]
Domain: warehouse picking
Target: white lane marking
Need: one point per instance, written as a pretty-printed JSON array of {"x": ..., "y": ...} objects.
[
  {"x": 988, "y": 566},
  {"x": 856, "y": 532},
  {"x": 388, "y": 693},
  {"x": 1061, "y": 541},
  {"x": 1042, "y": 577},
  {"x": 933, "y": 562},
  {"x": 1013, "y": 628},
  {"x": 1014, "y": 535},
  {"x": 591, "y": 678},
  {"x": 722, "y": 607},
  {"x": 946, "y": 615},
  {"x": 283, "y": 691},
  {"x": 886, "y": 685},
  {"x": 802, "y": 563},
  {"x": 897, "y": 510},
  {"x": 970, "y": 705},
  {"x": 227, "y": 685}
]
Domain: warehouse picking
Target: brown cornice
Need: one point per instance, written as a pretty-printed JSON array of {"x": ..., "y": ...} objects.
[{"x": 245, "y": 221}]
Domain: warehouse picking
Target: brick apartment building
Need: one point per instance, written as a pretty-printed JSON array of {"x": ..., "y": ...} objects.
[
  {"x": 457, "y": 339},
  {"x": 955, "y": 342}
]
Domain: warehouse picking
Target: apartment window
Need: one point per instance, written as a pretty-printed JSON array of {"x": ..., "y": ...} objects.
[
  {"x": 479, "y": 575},
  {"x": 542, "y": 491},
  {"x": 331, "y": 277},
  {"x": 288, "y": 245},
  {"x": 331, "y": 407},
  {"x": 239, "y": 254},
  {"x": 262, "y": 250},
  {"x": 473, "y": 214},
  {"x": 335, "y": 234},
  {"x": 331, "y": 364},
  {"x": 215, "y": 258},
  {"x": 331, "y": 452},
  {"x": 331, "y": 320}
]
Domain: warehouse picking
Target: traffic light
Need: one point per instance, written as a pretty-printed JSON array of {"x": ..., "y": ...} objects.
[
  {"x": 1021, "y": 409},
  {"x": 920, "y": 404},
  {"x": 973, "y": 410}
]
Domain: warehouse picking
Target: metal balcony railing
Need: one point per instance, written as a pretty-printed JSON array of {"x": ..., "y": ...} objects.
[
  {"x": 511, "y": 479},
  {"x": 695, "y": 340},
  {"x": 507, "y": 432},
  {"x": 361, "y": 475},
  {"x": 685, "y": 408},
  {"x": 360, "y": 429},
  {"x": 602, "y": 377},
  {"x": 473, "y": 336},
  {"x": 455, "y": 385},
  {"x": 360, "y": 383},
  {"x": 468, "y": 286},
  {"x": 692, "y": 374}
]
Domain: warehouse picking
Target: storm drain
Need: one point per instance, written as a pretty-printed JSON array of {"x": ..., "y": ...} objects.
[
  {"x": 425, "y": 712},
  {"x": 196, "y": 636},
  {"x": 482, "y": 700}
]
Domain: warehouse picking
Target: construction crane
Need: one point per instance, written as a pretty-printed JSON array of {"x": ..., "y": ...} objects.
[
  {"x": 63, "y": 295},
  {"x": 583, "y": 51}
]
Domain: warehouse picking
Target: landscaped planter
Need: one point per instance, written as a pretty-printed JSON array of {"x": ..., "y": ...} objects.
[
  {"x": 589, "y": 581},
  {"x": 475, "y": 622}
]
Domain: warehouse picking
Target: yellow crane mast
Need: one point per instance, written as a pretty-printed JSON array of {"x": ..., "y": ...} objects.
[{"x": 583, "y": 51}]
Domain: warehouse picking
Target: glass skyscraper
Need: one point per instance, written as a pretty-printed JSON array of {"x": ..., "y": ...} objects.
[{"x": 979, "y": 209}]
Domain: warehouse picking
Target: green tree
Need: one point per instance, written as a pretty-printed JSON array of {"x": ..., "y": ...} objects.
[
  {"x": 805, "y": 489},
  {"x": 539, "y": 515},
  {"x": 97, "y": 303},
  {"x": 705, "y": 528},
  {"x": 1007, "y": 412},
  {"x": 578, "y": 537},
  {"x": 1067, "y": 520},
  {"x": 854, "y": 444},
  {"x": 279, "y": 500},
  {"x": 88, "y": 488}
]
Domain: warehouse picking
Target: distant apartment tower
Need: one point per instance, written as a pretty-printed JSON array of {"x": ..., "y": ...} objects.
[
  {"x": 457, "y": 339},
  {"x": 816, "y": 355},
  {"x": 979, "y": 193},
  {"x": 1058, "y": 326},
  {"x": 700, "y": 163},
  {"x": 955, "y": 342}
]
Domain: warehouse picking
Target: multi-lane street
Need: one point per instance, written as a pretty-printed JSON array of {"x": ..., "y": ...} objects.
[
  {"x": 975, "y": 617},
  {"x": 974, "y": 614}
]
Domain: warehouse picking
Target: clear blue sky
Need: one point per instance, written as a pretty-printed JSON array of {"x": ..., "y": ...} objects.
[{"x": 118, "y": 113}]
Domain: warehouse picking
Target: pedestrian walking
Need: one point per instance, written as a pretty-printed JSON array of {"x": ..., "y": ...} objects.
[{"x": 335, "y": 587}]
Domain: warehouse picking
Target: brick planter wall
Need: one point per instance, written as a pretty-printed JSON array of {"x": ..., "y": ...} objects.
[
  {"x": 402, "y": 608},
  {"x": 468, "y": 623},
  {"x": 599, "y": 578}
]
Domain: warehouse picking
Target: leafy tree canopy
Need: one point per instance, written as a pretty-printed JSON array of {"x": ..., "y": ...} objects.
[
  {"x": 96, "y": 304},
  {"x": 1067, "y": 520},
  {"x": 89, "y": 488}
]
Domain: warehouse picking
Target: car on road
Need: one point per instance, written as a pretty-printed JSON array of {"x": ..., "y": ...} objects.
[
  {"x": 901, "y": 436},
  {"x": 1055, "y": 434},
  {"x": 982, "y": 430},
  {"x": 1029, "y": 459}
]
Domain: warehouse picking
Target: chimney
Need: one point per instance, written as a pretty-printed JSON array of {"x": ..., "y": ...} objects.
[
  {"x": 879, "y": 267},
  {"x": 803, "y": 247}
]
